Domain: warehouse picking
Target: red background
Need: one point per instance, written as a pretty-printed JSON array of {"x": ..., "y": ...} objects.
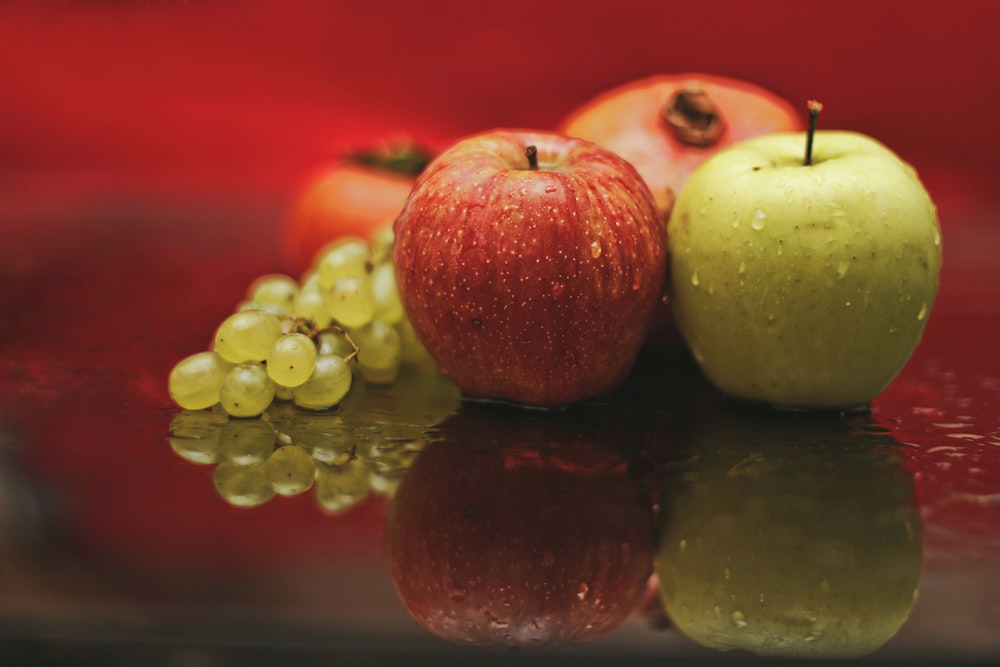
[{"x": 240, "y": 99}]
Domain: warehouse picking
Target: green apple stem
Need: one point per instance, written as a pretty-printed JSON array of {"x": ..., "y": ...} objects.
[
  {"x": 814, "y": 109},
  {"x": 532, "y": 154}
]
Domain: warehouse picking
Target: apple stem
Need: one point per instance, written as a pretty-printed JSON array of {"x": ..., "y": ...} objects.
[
  {"x": 814, "y": 109},
  {"x": 532, "y": 154}
]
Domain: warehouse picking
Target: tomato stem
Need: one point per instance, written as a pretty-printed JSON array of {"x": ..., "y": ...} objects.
[
  {"x": 532, "y": 154},
  {"x": 814, "y": 110}
]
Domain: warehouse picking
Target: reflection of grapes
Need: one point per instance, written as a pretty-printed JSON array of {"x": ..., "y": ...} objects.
[
  {"x": 294, "y": 341},
  {"x": 361, "y": 450}
]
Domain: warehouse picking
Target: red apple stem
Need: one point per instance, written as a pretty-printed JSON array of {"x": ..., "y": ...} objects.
[
  {"x": 814, "y": 110},
  {"x": 532, "y": 154}
]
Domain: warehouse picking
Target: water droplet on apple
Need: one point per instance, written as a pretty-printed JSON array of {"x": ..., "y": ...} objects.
[
  {"x": 742, "y": 268},
  {"x": 736, "y": 223},
  {"x": 595, "y": 249},
  {"x": 694, "y": 279},
  {"x": 557, "y": 289},
  {"x": 923, "y": 312},
  {"x": 550, "y": 188},
  {"x": 683, "y": 544},
  {"x": 738, "y": 619},
  {"x": 758, "y": 220},
  {"x": 842, "y": 268},
  {"x": 582, "y": 591},
  {"x": 636, "y": 284},
  {"x": 937, "y": 238}
]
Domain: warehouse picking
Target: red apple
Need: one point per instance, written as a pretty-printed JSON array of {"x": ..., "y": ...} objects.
[
  {"x": 521, "y": 529},
  {"x": 530, "y": 264}
]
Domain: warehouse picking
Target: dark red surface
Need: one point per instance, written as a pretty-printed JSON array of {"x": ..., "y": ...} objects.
[{"x": 148, "y": 152}]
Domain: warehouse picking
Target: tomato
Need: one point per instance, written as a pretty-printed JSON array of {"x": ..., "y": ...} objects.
[
  {"x": 354, "y": 196},
  {"x": 666, "y": 125}
]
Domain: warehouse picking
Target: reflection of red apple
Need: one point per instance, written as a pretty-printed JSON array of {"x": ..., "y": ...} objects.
[
  {"x": 519, "y": 529},
  {"x": 529, "y": 265}
]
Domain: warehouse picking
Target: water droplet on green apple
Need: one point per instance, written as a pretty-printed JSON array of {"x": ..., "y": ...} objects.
[
  {"x": 742, "y": 268},
  {"x": 937, "y": 238},
  {"x": 758, "y": 220},
  {"x": 694, "y": 279},
  {"x": 736, "y": 223},
  {"x": 738, "y": 619},
  {"x": 923, "y": 312},
  {"x": 842, "y": 268}
]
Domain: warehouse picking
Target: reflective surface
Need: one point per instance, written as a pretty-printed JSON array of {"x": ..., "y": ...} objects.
[{"x": 437, "y": 529}]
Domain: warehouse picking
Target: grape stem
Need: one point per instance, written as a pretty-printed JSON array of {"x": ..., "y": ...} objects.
[{"x": 308, "y": 327}]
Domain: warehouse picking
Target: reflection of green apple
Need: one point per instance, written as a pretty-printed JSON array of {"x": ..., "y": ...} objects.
[
  {"x": 785, "y": 536},
  {"x": 804, "y": 285}
]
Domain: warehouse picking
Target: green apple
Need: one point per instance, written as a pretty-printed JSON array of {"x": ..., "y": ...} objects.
[
  {"x": 804, "y": 283},
  {"x": 786, "y": 536}
]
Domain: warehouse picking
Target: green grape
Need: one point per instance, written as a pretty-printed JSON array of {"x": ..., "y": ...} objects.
[
  {"x": 292, "y": 359},
  {"x": 274, "y": 289},
  {"x": 412, "y": 351},
  {"x": 291, "y": 470},
  {"x": 195, "y": 381},
  {"x": 379, "y": 351},
  {"x": 330, "y": 382},
  {"x": 334, "y": 342},
  {"x": 388, "y": 306},
  {"x": 351, "y": 301},
  {"x": 243, "y": 486},
  {"x": 339, "y": 488},
  {"x": 247, "y": 335},
  {"x": 311, "y": 303},
  {"x": 381, "y": 244},
  {"x": 194, "y": 436},
  {"x": 247, "y": 441},
  {"x": 283, "y": 393},
  {"x": 246, "y": 390},
  {"x": 274, "y": 309},
  {"x": 344, "y": 258}
]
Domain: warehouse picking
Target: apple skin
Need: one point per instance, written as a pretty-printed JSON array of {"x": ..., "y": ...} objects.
[
  {"x": 787, "y": 535},
  {"x": 804, "y": 286},
  {"x": 520, "y": 528},
  {"x": 535, "y": 286},
  {"x": 629, "y": 120}
]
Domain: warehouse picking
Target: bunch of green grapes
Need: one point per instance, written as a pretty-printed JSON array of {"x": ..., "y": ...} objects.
[{"x": 304, "y": 341}]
